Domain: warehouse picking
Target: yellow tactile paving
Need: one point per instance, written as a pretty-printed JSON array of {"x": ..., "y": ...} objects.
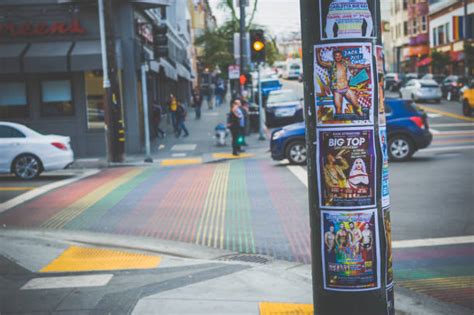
[
  {"x": 16, "y": 188},
  {"x": 437, "y": 283},
  {"x": 231, "y": 156},
  {"x": 175, "y": 162},
  {"x": 271, "y": 308},
  {"x": 76, "y": 259}
]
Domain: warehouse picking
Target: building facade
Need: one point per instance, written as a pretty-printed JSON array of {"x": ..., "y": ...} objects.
[
  {"x": 51, "y": 71},
  {"x": 399, "y": 33}
]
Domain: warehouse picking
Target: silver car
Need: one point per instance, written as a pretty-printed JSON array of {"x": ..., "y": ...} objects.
[{"x": 426, "y": 90}]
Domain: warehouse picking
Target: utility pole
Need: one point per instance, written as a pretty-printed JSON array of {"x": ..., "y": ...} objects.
[
  {"x": 466, "y": 42},
  {"x": 242, "y": 4},
  {"x": 261, "y": 134},
  {"x": 347, "y": 157},
  {"x": 115, "y": 133}
]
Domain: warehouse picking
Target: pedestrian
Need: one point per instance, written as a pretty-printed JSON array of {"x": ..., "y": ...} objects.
[
  {"x": 181, "y": 117},
  {"x": 157, "y": 113},
  {"x": 235, "y": 123},
  {"x": 219, "y": 91},
  {"x": 172, "y": 108},
  {"x": 197, "y": 102},
  {"x": 245, "y": 111}
]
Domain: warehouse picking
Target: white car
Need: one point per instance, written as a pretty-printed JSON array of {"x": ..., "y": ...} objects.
[
  {"x": 27, "y": 153},
  {"x": 427, "y": 90}
]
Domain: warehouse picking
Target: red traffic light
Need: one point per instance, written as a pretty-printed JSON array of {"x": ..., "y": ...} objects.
[{"x": 243, "y": 79}]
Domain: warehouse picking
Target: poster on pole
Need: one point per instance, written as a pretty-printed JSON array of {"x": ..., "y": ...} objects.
[
  {"x": 346, "y": 168},
  {"x": 380, "y": 60},
  {"x": 234, "y": 72},
  {"x": 344, "y": 84},
  {"x": 384, "y": 148},
  {"x": 342, "y": 19},
  {"x": 350, "y": 250},
  {"x": 388, "y": 237}
]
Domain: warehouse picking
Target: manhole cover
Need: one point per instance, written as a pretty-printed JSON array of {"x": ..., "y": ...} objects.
[{"x": 257, "y": 259}]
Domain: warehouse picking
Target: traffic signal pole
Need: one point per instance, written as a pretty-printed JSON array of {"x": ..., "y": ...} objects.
[
  {"x": 261, "y": 134},
  {"x": 347, "y": 157}
]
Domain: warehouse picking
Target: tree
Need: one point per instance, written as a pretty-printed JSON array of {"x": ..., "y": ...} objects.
[{"x": 440, "y": 61}]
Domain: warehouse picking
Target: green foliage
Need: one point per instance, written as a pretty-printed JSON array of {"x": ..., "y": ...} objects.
[{"x": 440, "y": 61}]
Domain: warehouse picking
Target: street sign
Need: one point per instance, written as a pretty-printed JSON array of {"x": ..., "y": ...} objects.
[{"x": 234, "y": 72}]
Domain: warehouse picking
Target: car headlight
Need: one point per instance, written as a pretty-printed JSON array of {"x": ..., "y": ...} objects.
[{"x": 278, "y": 134}]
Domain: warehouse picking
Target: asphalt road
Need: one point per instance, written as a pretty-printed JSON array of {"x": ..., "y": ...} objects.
[{"x": 431, "y": 195}]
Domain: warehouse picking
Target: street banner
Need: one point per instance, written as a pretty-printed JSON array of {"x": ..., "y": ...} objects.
[
  {"x": 234, "y": 72},
  {"x": 340, "y": 19},
  {"x": 346, "y": 168},
  {"x": 343, "y": 83},
  {"x": 384, "y": 149},
  {"x": 388, "y": 237},
  {"x": 350, "y": 250}
]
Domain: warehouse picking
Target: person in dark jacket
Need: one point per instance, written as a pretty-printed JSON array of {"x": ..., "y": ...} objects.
[
  {"x": 157, "y": 112},
  {"x": 172, "y": 108},
  {"x": 197, "y": 102},
  {"x": 236, "y": 123},
  {"x": 180, "y": 118}
]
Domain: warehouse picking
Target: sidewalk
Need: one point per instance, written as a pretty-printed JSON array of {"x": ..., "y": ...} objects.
[
  {"x": 92, "y": 273},
  {"x": 199, "y": 147}
]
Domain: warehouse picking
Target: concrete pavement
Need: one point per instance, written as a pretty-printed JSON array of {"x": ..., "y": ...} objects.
[{"x": 155, "y": 277}]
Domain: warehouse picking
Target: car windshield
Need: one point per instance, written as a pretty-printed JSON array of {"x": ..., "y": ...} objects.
[
  {"x": 429, "y": 84},
  {"x": 283, "y": 96},
  {"x": 295, "y": 66}
]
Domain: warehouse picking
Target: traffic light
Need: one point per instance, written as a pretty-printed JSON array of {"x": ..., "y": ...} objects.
[
  {"x": 257, "y": 46},
  {"x": 161, "y": 40}
]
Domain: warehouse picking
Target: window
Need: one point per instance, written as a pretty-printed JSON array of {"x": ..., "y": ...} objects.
[
  {"x": 405, "y": 28},
  {"x": 441, "y": 35},
  {"x": 447, "y": 35},
  {"x": 414, "y": 28},
  {"x": 10, "y": 132},
  {"x": 423, "y": 24},
  {"x": 95, "y": 99},
  {"x": 405, "y": 4},
  {"x": 435, "y": 37},
  {"x": 56, "y": 98},
  {"x": 13, "y": 100}
]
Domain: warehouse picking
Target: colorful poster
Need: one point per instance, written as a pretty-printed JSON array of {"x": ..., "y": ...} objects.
[
  {"x": 380, "y": 59},
  {"x": 350, "y": 250},
  {"x": 384, "y": 148},
  {"x": 388, "y": 238},
  {"x": 382, "y": 119},
  {"x": 346, "y": 168},
  {"x": 344, "y": 84},
  {"x": 390, "y": 301},
  {"x": 346, "y": 19}
]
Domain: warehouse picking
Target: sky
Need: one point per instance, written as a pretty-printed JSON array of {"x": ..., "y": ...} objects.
[{"x": 278, "y": 16}]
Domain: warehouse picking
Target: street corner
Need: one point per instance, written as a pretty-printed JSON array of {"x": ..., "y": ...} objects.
[{"x": 275, "y": 308}]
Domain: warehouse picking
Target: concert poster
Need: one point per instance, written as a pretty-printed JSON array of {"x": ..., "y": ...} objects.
[
  {"x": 344, "y": 84},
  {"x": 350, "y": 250},
  {"x": 346, "y": 168}
]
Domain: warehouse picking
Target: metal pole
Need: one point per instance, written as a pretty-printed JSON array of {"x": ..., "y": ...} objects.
[
  {"x": 466, "y": 55},
  {"x": 148, "y": 157},
  {"x": 242, "y": 36},
  {"x": 351, "y": 275},
  {"x": 261, "y": 135},
  {"x": 103, "y": 49}
]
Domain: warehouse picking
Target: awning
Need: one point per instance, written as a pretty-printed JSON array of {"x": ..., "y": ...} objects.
[
  {"x": 10, "y": 55},
  {"x": 183, "y": 72},
  {"x": 154, "y": 2},
  {"x": 424, "y": 62},
  {"x": 154, "y": 66},
  {"x": 170, "y": 70},
  {"x": 47, "y": 57},
  {"x": 86, "y": 55},
  {"x": 457, "y": 55}
]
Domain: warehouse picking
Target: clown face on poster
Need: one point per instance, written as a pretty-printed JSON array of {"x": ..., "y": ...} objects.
[
  {"x": 344, "y": 84},
  {"x": 346, "y": 168},
  {"x": 350, "y": 250}
]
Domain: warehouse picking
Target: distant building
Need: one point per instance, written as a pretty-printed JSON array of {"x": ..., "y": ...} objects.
[
  {"x": 447, "y": 36},
  {"x": 399, "y": 34}
]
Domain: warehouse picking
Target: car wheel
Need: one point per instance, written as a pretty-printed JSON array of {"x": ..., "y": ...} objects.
[
  {"x": 466, "y": 109},
  {"x": 296, "y": 152},
  {"x": 27, "y": 166},
  {"x": 400, "y": 148}
]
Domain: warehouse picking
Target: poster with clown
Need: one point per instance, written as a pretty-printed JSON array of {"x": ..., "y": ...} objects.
[{"x": 343, "y": 81}]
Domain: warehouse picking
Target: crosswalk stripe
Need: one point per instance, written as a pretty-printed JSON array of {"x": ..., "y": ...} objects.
[{"x": 67, "y": 282}]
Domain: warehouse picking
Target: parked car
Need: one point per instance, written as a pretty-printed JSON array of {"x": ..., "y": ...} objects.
[
  {"x": 292, "y": 70},
  {"x": 283, "y": 107},
  {"x": 468, "y": 99},
  {"x": 437, "y": 77},
  {"x": 417, "y": 90},
  {"x": 393, "y": 81},
  {"x": 407, "y": 129},
  {"x": 451, "y": 87},
  {"x": 27, "y": 153}
]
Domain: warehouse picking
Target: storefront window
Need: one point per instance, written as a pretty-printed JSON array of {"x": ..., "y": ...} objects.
[
  {"x": 56, "y": 98},
  {"x": 13, "y": 100},
  {"x": 95, "y": 100}
]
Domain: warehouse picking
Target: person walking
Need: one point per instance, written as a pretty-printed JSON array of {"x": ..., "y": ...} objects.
[
  {"x": 181, "y": 117},
  {"x": 197, "y": 102},
  {"x": 157, "y": 112},
  {"x": 236, "y": 123},
  {"x": 172, "y": 108},
  {"x": 219, "y": 91}
]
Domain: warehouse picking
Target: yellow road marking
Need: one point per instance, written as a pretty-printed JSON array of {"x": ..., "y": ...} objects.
[
  {"x": 270, "y": 308},
  {"x": 441, "y": 112},
  {"x": 77, "y": 259},
  {"x": 174, "y": 162},
  {"x": 231, "y": 156},
  {"x": 16, "y": 188},
  {"x": 74, "y": 210}
]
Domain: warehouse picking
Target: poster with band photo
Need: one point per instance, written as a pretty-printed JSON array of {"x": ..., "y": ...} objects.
[
  {"x": 346, "y": 168},
  {"x": 384, "y": 148},
  {"x": 380, "y": 60},
  {"x": 350, "y": 248},
  {"x": 388, "y": 237},
  {"x": 344, "y": 84},
  {"x": 342, "y": 19}
]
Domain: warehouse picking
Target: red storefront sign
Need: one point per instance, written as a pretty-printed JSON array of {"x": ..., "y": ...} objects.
[{"x": 11, "y": 29}]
